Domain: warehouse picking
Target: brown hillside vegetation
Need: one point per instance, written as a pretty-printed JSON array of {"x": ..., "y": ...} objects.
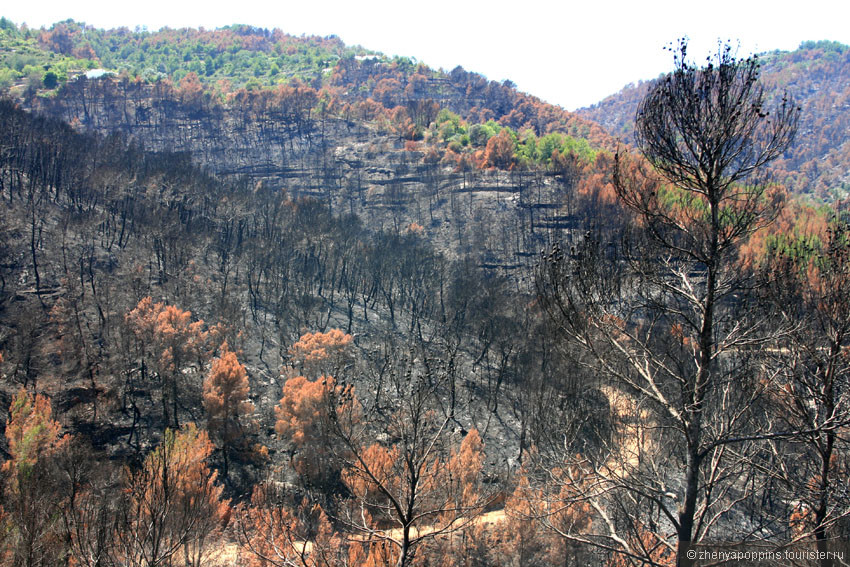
[{"x": 365, "y": 314}]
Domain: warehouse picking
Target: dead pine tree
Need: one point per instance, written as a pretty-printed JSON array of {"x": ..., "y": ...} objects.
[{"x": 660, "y": 312}]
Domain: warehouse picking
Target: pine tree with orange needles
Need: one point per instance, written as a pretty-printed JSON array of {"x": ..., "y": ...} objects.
[
  {"x": 321, "y": 353},
  {"x": 372, "y": 554},
  {"x": 521, "y": 539},
  {"x": 304, "y": 417},
  {"x": 500, "y": 150},
  {"x": 304, "y": 413},
  {"x": 32, "y": 434},
  {"x": 226, "y": 401},
  {"x": 277, "y": 533},
  {"x": 33, "y": 499},
  {"x": 167, "y": 341},
  {"x": 413, "y": 493},
  {"x": 418, "y": 483},
  {"x": 551, "y": 514},
  {"x": 172, "y": 505}
]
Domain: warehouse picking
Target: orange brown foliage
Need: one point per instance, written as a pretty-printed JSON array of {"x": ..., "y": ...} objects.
[
  {"x": 168, "y": 340},
  {"x": 226, "y": 401},
  {"x": 522, "y": 537},
  {"x": 500, "y": 150},
  {"x": 317, "y": 352},
  {"x": 413, "y": 498},
  {"x": 226, "y": 388},
  {"x": 275, "y": 534},
  {"x": 464, "y": 467},
  {"x": 29, "y": 525},
  {"x": 174, "y": 504},
  {"x": 303, "y": 416},
  {"x": 645, "y": 543},
  {"x": 596, "y": 182},
  {"x": 373, "y": 554},
  {"x": 191, "y": 91},
  {"x": 301, "y": 408},
  {"x": 171, "y": 332},
  {"x": 377, "y": 470}
]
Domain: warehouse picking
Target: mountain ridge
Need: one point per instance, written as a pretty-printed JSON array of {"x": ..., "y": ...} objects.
[
  {"x": 226, "y": 63},
  {"x": 817, "y": 75}
]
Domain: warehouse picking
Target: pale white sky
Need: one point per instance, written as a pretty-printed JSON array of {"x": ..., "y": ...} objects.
[{"x": 568, "y": 53}]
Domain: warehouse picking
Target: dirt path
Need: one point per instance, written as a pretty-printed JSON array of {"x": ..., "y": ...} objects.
[{"x": 633, "y": 423}]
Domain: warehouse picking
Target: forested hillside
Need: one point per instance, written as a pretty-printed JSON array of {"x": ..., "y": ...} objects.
[
  {"x": 227, "y": 60},
  {"x": 275, "y": 301},
  {"x": 396, "y": 141},
  {"x": 817, "y": 74},
  {"x": 129, "y": 281}
]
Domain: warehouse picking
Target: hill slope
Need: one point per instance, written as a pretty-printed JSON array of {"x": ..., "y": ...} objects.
[
  {"x": 354, "y": 234},
  {"x": 388, "y": 139},
  {"x": 818, "y": 76},
  {"x": 226, "y": 60}
]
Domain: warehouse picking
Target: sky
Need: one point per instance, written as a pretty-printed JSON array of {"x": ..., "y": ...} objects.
[{"x": 568, "y": 53}]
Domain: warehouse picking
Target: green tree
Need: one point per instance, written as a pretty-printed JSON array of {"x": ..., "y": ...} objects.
[
  {"x": 50, "y": 80},
  {"x": 479, "y": 134}
]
